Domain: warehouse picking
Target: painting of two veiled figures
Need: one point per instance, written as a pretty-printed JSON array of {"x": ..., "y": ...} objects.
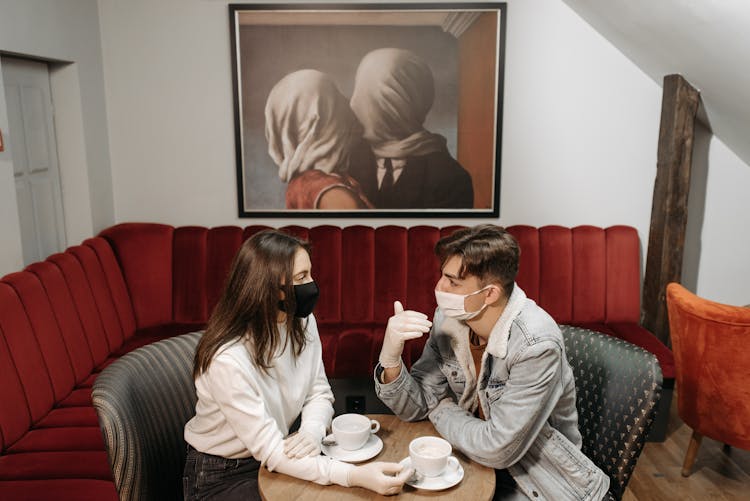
[{"x": 354, "y": 110}]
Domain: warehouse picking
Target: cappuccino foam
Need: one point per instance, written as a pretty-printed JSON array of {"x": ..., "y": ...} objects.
[
  {"x": 352, "y": 427},
  {"x": 430, "y": 451}
]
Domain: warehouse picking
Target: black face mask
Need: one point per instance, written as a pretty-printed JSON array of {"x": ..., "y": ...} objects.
[{"x": 305, "y": 296}]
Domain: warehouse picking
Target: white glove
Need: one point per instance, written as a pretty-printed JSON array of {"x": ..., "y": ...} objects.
[
  {"x": 403, "y": 325},
  {"x": 301, "y": 444},
  {"x": 379, "y": 477}
]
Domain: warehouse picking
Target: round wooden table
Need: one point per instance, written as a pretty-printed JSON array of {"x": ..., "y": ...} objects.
[{"x": 478, "y": 482}]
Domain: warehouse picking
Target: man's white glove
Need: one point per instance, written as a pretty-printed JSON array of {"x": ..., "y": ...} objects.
[
  {"x": 384, "y": 478},
  {"x": 301, "y": 444},
  {"x": 403, "y": 325}
]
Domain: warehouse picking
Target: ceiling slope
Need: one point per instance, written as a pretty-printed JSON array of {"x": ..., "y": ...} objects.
[{"x": 706, "y": 41}]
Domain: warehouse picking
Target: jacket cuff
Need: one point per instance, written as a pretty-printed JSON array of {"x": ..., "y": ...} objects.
[{"x": 394, "y": 385}]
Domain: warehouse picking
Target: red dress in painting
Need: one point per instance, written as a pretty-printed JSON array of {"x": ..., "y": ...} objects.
[{"x": 306, "y": 189}]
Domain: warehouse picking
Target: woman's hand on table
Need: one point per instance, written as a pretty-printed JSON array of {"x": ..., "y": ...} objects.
[
  {"x": 301, "y": 444},
  {"x": 384, "y": 478}
]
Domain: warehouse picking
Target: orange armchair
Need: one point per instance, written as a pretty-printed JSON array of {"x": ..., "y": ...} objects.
[{"x": 710, "y": 343}]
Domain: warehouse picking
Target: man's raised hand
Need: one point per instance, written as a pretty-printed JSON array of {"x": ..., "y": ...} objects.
[{"x": 402, "y": 326}]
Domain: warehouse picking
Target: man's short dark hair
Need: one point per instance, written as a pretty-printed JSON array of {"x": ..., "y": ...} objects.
[{"x": 487, "y": 251}]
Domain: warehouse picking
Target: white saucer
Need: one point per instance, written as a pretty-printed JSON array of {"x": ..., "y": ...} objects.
[
  {"x": 447, "y": 479},
  {"x": 371, "y": 449}
]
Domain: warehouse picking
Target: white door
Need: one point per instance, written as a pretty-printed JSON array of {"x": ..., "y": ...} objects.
[{"x": 34, "y": 153}]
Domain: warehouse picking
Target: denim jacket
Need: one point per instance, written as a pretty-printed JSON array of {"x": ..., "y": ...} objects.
[{"x": 527, "y": 393}]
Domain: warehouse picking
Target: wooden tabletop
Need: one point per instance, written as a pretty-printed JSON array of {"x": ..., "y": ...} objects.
[{"x": 478, "y": 482}]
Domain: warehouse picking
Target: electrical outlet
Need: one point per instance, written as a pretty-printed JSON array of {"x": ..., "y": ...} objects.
[{"x": 355, "y": 403}]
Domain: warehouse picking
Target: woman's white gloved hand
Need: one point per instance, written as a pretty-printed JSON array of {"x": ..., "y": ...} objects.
[
  {"x": 402, "y": 326},
  {"x": 301, "y": 444},
  {"x": 384, "y": 478}
]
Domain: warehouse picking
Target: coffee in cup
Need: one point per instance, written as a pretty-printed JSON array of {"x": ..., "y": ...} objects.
[
  {"x": 352, "y": 431},
  {"x": 431, "y": 455}
]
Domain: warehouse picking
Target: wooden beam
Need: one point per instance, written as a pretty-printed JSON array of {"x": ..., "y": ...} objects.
[{"x": 666, "y": 239}]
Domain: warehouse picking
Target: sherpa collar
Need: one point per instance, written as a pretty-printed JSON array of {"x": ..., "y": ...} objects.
[{"x": 497, "y": 346}]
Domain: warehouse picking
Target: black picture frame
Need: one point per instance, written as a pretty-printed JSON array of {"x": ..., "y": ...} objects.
[{"x": 462, "y": 43}]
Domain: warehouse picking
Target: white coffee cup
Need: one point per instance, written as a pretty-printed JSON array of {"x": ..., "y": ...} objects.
[
  {"x": 352, "y": 431},
  {"x": 431, "y": 455}
]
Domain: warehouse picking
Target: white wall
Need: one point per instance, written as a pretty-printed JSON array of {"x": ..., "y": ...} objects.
[
  {"x": 571, "y": 104},
  {"x": 717, "y": 240},
  {"x": 66, "y": 34},
  {"x": 705, "y": 42},
  {"x": 671, "y": 36},
  {"x": 579, "y": 145}
]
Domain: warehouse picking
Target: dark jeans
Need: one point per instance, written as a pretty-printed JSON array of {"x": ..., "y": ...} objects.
[{"x": 217, "y": 478}]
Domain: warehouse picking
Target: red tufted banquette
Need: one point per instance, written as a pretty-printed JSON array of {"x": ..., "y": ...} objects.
[{"x": 65, "y": 319}]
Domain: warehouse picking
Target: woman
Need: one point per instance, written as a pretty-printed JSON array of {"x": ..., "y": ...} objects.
[
  {"x": 257, "y": 367},
  {"x": 314, "y": 139},
  {"x": 393, "y": 91}
]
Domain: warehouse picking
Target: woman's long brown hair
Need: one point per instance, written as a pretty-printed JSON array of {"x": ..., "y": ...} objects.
[{"x": 249, "y": 304}]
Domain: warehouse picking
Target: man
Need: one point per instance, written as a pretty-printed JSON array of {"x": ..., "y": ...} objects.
[
  {"x": 493, "y": 377},
  {"x": 393, "y": 92}
]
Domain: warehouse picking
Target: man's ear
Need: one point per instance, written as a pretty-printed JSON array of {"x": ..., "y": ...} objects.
[{"x": 495, "y": 294}]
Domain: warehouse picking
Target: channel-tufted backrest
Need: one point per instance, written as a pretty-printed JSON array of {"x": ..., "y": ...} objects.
[
  {"x": 586, "y": 276},
  {"x": 618, "y": 386},
  {"x": 581, "y": 274},
  {"x": 143, "y": 401}
]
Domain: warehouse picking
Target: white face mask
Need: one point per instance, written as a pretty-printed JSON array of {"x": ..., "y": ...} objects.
[{"x": 452, "y": 305}]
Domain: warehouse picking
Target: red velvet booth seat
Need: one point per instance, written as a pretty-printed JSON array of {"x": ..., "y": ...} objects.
[
  {"x": 65, "y": 319},
  {"x": 61, "y": 322},
  {"x": 584, "y": 276}
]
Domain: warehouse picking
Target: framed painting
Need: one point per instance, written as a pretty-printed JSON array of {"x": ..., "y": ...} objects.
[{"x": 377, "y": 110}]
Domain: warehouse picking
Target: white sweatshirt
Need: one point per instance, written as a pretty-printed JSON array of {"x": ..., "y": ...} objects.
[{"x": 242, "y": 411}]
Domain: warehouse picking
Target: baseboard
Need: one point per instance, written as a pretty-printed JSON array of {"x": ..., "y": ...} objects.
[{"x": 658, "y": 431}]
